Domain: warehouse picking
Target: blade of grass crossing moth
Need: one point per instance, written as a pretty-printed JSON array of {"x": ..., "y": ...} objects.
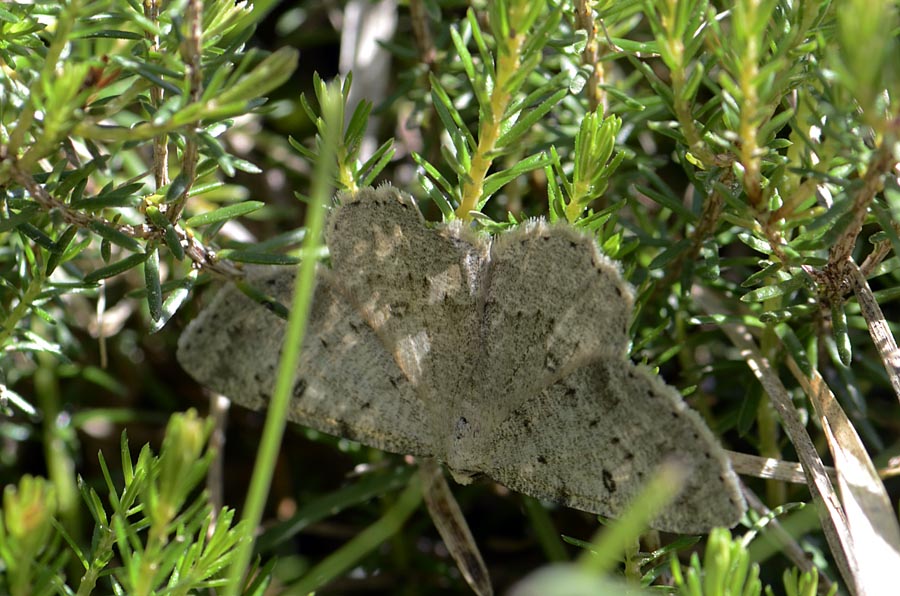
[{"x": 332, "y": 102}]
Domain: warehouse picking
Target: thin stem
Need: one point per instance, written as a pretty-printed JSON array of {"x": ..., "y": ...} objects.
[{"x": 489, "y": 129}]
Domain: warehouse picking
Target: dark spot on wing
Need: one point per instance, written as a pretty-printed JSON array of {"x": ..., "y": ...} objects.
[
  {"x": 550, "y": 362},
  {"x": 365, "y": 405},
  {"x": 572, "y": 243},
  {"x": 615, "y": 440},
  {"x": 629, "y": 455},
  {"x": 345, "y": 431},
  {"x": 324, "y": 343},
  {"x": 461, "y": 425},
  {"x": 542, "y": 459},
  {"x": 593, "y": 424},
  {"x": 618, "y": 291},
  {"x": 608, "y": 482},
  {"x": 571, "y": 392},
  {"x": 299, "y": 388}
]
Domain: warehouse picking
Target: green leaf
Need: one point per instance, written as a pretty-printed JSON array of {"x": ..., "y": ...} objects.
[
  {"x": 669, "y": 254},
  {"x": 841, "y": 334},
  {"x": 356, "y": 128},
  {"x": 375, "y": 164},
  {"x": 664, "y": 198},
  {"x": 60, "y": 246},
  {"x": 794, "y": 346},
  {"x": 434, "y": 174},
  {"x": 177, "y": 188},
  {"x": 217, "y": 151},
  {"x": 170, "y": 235},
  {"x": 39, "y": 237},
  {"x": 495, "y": 182},
  {"x": 773, "y": 291},
  {"x": 268, "y": 302},
  {"x": 175, "y": 300},
  {"x": 124, "y": 196},
  {"x": 257, "y": 257},
  {"x": 151, "y": 279},
  {"x": 125, "y": 264},
  {"x": 224, "y": 213},
  {"x": 769, "y": 269},
  {"x": 25, "y": 215},
  {"x": 115, "y": 236},
  {"x": 533, "y": 116},
  {"x": 476, "y": 80}
]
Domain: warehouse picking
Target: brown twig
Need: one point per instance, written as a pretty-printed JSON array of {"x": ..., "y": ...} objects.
[
  {"x": 197, "y": 252},
  {"x": 191, "y": 53},
  {"x": 873, "y": 182},
  {"x": 160, "y": 142},
  {"x": 590, "y": 57}
]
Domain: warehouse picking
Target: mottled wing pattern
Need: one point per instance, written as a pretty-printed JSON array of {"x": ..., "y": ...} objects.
[
  {"x": 416, "y": 287},
  {"x": 593, "y": 439},
  {"x": 347, "y": 383},
  {"x": 507, "y": 359},
  {"x": 552, "y": 302}
]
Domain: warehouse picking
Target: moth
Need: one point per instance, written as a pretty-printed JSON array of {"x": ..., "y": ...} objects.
[{"x": 504, "y": 357}]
